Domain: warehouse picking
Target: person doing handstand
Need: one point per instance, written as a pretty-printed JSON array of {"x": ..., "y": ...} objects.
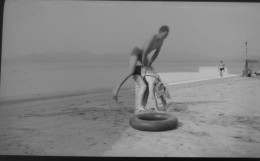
[
  {"x": 139, "y": 58},
  {"x": 156, "y": 88}
]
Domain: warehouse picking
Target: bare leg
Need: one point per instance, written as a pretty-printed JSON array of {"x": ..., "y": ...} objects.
[
  {"x": 132, "y": 66},
  {"x": 221, "y": 74},
  {"x": 152, "y": 95},
  {"x": 145, "y": 97},
  {"x": 143, "y": 88}
]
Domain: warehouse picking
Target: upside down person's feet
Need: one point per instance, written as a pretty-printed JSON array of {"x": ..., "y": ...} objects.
[
  {"x": 114, "y": 95},
  {"x": 114, "y": 98},
  {"x": 148, "y": 109},
  {"x": 144, "y": 109}
]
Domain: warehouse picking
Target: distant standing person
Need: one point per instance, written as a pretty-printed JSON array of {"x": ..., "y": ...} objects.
[
  {"x": 221, "y": 68},
  {"x": 139, "y": 58}
]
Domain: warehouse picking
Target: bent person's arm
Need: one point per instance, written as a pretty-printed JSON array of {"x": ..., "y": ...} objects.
[
  {"x": 156, "y": 53},
  {"x": 145, "y": 60}
]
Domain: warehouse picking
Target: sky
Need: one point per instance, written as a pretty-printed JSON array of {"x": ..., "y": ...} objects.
[{"x": 207, "y": 28}]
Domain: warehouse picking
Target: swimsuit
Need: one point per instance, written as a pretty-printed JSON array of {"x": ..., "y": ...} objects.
[
  {"x": 138, "y": 69},
  {"x": 221, "y": 67},
  {"x": 151, "y": 76}
]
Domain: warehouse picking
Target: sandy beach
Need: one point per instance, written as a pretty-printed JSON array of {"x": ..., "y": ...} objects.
[
  {"x": 61, "y": 61},
  {"x": 217, "y": 118}
]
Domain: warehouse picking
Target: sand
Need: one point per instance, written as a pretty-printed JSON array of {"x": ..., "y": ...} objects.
[{"x": 217, "y": 118}]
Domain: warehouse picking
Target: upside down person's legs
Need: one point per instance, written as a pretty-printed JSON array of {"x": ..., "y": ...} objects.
[
  {"x": 132, "y": 66},
  {"x": 152, "y": 95},
  {"x": 143, "y": 91},
  {"x": 145, "y": 97}
]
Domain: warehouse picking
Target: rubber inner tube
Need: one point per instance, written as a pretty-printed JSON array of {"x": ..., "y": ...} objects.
[{"x": 154, "y": 122}]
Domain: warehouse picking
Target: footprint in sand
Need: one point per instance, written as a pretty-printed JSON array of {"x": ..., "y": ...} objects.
[
  {"x": 244, "y": 138},
  {"x": 95, "y": 118},
  {"x": 104, "y": 104},
  {"x": 91, "y": 141},
  {"x": 177, "y": 107},
  {"x": 130, "y": 110},
  {"x": 199, "y": 133},
  {"x": 132, "y": 135},
  {"x": 221, "y": 114},
  {"x": 252, "y": 121},
  {"x": 180, "y": 124}
]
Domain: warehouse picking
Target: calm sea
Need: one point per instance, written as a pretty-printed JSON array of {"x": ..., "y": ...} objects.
[{"x": 39, "y": 78}]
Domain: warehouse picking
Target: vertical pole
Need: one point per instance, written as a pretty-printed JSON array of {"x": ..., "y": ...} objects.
[{"x": 246, "y": 53}]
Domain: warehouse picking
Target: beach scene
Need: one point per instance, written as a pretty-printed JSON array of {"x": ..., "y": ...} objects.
[{"x": 62, "y": 59}]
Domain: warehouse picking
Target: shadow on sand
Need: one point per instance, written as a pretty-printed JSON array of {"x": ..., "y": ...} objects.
[{"x": 79, "y": 126}]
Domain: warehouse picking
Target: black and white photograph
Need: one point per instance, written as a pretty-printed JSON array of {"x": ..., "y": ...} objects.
[{"x": 130, "y": 79}]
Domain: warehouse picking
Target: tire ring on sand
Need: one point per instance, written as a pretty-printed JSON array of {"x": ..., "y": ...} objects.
[{"x": 154, "y": 122}]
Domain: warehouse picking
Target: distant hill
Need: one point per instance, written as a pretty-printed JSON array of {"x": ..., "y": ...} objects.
[
  {"x": 85, "y": 56},
  {"x": 32, "y": 58},
  {"x": 57, "y": 57},
  {"x": 37, "y": 58}
]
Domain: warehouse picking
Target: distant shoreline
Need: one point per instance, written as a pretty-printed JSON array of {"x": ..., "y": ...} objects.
[
  {"x": 192, "y": 81},
  {"x": 90, "y": 92},
  {"x": 48, "y": 96},
  {"x": 28, "y": 82}
]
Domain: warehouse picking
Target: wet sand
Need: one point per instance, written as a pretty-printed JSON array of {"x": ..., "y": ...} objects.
[{"x": 217, "y": 118}]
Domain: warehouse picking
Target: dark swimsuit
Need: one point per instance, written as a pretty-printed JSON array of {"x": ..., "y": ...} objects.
[
  {"x": 138, "y": 69},
  {"x": 221, "y": 69},
  {"x": 138, "y": 53}
]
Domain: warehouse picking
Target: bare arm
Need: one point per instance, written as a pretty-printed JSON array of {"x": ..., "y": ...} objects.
[
  {"x": 145, "y": 52},
  {"x": 156, "y": 53}
]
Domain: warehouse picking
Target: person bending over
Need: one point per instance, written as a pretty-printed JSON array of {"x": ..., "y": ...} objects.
[{"x": 139, "y": 58}]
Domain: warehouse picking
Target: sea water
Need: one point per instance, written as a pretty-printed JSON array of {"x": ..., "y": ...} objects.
[{"x": 19, "y": 79}]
